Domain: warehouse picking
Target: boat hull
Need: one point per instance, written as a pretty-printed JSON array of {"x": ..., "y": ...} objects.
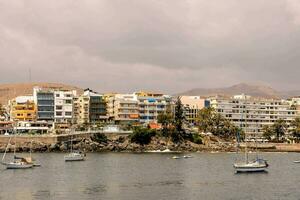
[
  {"x": 74, "y": 157},
  {"x": 18, "y": 166},
  {"x": 250, "y": 169},
  {"x": 70, "y": 159}
]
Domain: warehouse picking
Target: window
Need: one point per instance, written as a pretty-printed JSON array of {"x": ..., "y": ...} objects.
[
  {"x": 59, "y": 113},
  {"x": 57, "y": 95},
  {"x": 58, "y": 107},
  {"x": 68, "y": 113},
  {"x": 68, "y": 101}
]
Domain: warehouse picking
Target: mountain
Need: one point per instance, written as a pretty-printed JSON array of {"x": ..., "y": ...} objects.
[
  {"x": 254, "y": 90},
  {"x": 10, "y": 91}
]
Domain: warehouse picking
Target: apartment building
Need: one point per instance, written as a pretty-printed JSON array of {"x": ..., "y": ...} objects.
[
  {"x": 252, "y": 113},
  {"x": 54, "y": 105},
  {"x": 295, "y": 103},
  {"x": 192, "y": 106},
  {"x": 22, "y": 108},
  {"x": 45, "y": 102},
  {"x": 151, "y": 105},
  {"x": 90, "y": 107},
  {"x": 63, "y": 110},
  {"x": 123, "y": 108}
]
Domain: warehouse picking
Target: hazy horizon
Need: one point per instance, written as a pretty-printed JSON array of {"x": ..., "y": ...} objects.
[{"x": 170, "y": 46}]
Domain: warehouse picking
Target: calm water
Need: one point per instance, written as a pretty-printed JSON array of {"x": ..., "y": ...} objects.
[{"x": 151, "y": 176}]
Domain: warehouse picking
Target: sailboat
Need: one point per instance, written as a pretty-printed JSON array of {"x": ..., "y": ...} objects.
[
  {"x": 18, "y": 162},
  {"x": 256, "y": 165},
  {"x": 74, "y": 155},
  {"x": 30, "y": 159}
]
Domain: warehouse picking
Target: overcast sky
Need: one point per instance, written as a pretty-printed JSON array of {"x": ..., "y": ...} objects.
[{"x": 165, "y": 45}]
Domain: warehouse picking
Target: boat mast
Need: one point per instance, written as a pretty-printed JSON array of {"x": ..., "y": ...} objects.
[
  {"x": 71, "y": 143},
  {"x": 245, "y": 110},
  {"x": 15, "y": 146},
  {"x": 256, "y": 133},
  {"x": 6, "y": 149},
  {"x": 30, "y": 149}
]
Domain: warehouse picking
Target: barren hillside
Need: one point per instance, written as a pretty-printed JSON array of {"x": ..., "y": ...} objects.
[{"x": 9, "y": 91}]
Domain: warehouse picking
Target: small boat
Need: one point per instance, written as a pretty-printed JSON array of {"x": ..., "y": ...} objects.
[
  {"x": 187, "y": 156},
  {"x": 297, "y": 161},
  {"x": 258, "y": 165},
  {"x": 18, "y": 162},
  {"x": 75, "y": 156},
  {"x": 18, "y": 165},
  {"x": 175, "y": 157}
]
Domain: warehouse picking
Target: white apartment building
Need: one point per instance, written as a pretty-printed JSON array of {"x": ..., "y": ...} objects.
[
  {"x": 54, "y": 104},
  {"x": 252, "y": 114},
  {"x": 63, "y": 109}
]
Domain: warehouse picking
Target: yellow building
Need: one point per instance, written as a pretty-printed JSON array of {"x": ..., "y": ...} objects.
[{"x": 23, "y": 108}]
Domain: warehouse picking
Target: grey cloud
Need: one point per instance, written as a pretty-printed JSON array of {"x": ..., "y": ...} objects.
[{"x": 164, "y": 45}]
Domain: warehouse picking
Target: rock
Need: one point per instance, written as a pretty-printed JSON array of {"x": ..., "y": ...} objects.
[{"x": 63, "y": 147}]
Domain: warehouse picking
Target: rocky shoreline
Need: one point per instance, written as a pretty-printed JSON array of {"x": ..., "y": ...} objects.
[
  {"x": 123, "y": 144},
  {"x": 120, "y": 144}
]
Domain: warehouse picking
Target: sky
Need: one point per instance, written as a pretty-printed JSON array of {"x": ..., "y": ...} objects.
[{"x": 166, "y": 45}]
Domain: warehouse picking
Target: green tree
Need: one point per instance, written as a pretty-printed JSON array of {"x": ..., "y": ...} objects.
[
  {"x": 205, "y": 119},
  {"x": 142, "y": 135},
  {"x": 211, "y": 121},
  {"x": 268, "y": 132},
  {"x": 178, "y": 134},
  {"x": 279, "y": 128},
  {"x": 295, "y": 128},
  {"x": 166, "y": 120},
  {"x": 99, "y": 137}
]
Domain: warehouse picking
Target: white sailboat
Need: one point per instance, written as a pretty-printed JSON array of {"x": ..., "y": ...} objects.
[
  {"x": 74, "y": 156},
  {"x": 18, "y": 162},
  {"x": 256, "y": 165}
]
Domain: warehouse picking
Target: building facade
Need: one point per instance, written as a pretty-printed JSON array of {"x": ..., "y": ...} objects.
[
  {"x": 54, "y": 105},
  {"x": 151, "y": 105},
  {"x": 22, "y": 108},
  {"x": 192, "y": 106},
  {"x": 253, "y": 114},
  {"x": 90, "y": 107},
  {"x": 63, "y": 110},
  {"x": 123, "y": 108},
  {"x": 44, "y": 100}
]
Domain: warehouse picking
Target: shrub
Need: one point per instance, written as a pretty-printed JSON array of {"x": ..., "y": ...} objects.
[
  {"x": 142, "y": 135},
  {"x": 99, "y": 137},
  {"x": 197, "y": 139},
  {"x": 194, "y": 137}
]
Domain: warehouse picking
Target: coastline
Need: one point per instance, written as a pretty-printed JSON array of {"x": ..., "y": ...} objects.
[{"x": 121, "y": 143}]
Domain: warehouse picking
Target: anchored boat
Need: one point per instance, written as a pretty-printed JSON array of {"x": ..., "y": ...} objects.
[
  {"x": 74, "y": 156},
  {"x": 18, "y": 162},
  {"x": 256, "y": 165}
]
